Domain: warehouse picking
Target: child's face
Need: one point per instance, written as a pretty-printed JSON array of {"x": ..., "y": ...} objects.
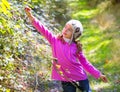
[{"x": 67, "y": 31}]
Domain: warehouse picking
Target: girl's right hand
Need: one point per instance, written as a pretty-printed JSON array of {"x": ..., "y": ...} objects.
[
  {"x": 28, "y": 10},
  {"x": 29, "y": 14}
]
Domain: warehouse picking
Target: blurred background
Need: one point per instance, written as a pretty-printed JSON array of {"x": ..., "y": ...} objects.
[{"x": 25, "y": 56}]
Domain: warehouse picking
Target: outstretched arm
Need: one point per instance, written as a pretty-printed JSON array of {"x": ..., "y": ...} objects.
[
  {"x": 39, "y": 26},
  {"x": 90, "y": 68}
]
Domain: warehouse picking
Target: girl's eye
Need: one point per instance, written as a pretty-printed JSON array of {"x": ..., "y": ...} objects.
[{"x": 70, "y": 30}]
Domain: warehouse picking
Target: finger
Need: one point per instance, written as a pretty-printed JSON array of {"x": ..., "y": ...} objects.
[
  {"x": 105, "y": 79},
  {"x": 27, "y": 9}
]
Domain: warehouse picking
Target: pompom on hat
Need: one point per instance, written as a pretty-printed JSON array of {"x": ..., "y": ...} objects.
[{"x": 77, "y": 29}]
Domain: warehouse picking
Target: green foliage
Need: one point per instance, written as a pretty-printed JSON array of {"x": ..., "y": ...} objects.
[
  {"x": 25, "y": 55},
  {"x": 18, "y": 48},
  {"x": 100, "y": 38}
]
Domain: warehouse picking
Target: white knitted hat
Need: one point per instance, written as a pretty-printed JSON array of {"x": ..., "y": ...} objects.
[{"x": 77, "y": 28}]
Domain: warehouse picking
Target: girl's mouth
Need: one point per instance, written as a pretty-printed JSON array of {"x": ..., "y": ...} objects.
[{"x": 64, "y": 33}]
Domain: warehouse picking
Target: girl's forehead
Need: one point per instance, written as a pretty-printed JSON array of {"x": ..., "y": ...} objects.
[{"x": 69, "y": 25}]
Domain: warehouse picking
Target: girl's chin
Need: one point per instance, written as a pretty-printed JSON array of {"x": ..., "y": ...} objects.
[{"x": 64, "y": 36}]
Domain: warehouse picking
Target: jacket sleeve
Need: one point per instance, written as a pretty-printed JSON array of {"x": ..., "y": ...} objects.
[
  {"x": 88, "y": 66},
  {"x": 43, "y": 30}
]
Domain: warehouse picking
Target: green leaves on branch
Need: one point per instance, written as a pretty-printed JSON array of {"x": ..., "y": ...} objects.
[{"x": 5, "y": 7}]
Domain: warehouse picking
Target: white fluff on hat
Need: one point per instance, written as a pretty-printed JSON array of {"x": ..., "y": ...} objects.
[{"x": 77, "y": 28}]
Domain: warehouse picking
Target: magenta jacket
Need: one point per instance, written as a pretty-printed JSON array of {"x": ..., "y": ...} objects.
[{"x": 69, "y": 66}]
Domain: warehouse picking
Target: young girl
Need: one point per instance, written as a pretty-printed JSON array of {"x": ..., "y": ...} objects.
[{"x": 69, "y": 61}]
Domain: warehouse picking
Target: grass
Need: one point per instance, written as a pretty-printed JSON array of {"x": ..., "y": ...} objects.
[{"x": 102, "y": 50}]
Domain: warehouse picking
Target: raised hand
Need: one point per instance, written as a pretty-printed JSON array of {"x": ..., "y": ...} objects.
[{"x": 29, "y": 14}]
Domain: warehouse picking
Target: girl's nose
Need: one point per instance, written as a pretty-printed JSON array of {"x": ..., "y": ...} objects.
[{"x": 65, "y": 29}]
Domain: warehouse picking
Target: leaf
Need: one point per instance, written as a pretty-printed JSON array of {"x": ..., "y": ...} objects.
[
  {"x": 34, "y": 1},
  {"x": 6, "y": 3},
  {"x": 4, "y": 10},
  {"x": 1, "y": 78},
  {"x": 4, "y": 6},
  {"x": 7, "y": 90},
  {"x": 58, "y": 66},
  {"x": 3, "y": 31},
  {"x": 61, "y": 73}
]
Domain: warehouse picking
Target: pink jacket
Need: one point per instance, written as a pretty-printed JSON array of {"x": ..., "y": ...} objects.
[{"x": 69, "y": 66}]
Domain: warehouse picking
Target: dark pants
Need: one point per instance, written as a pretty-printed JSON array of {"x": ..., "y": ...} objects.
[{"x": 71, "y": 87}]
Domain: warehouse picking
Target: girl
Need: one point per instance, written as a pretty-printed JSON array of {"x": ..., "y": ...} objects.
[{"x": 69, "y": 61}]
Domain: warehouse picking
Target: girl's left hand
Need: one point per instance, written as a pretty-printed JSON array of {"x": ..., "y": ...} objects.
[{"x": 103, "y": 78}]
